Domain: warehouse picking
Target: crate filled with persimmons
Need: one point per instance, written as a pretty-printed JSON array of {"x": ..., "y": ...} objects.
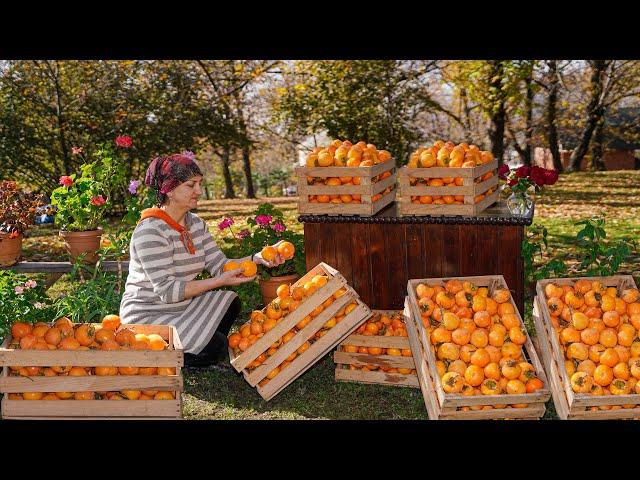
[
  {"x": 588, "y": 334},
  {"x": 377, "y": 352},
  {"x": 66, "y": 370},
  {"x": 304, "y": 323},
  {"x": 448, "y": 179},
  {"x": 346, "y": 179},
  {"x": 480, "y": 362}
]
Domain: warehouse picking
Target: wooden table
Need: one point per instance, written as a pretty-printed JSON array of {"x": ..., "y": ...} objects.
[{"x": 378, "y": 255}]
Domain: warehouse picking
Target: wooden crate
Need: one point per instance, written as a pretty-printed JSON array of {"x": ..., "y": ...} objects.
[
  {"x": 95, "y": 409},
  {"x": 366, "y": 189},
  {"x": 315, "y": 352},
  {"x": 342, "y": 359},
  {"x": 570, "y": 405},
  {"x": 318, "y": 349},
  {"x": 469, "y": 190},
  {"x": 441, "y": 405}
]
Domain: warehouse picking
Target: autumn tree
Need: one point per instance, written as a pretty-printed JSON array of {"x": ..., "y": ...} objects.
[{"x": 376, "y": 101}]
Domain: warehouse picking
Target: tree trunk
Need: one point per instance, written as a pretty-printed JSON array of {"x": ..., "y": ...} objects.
[
  {"x": 246, "y": 162},
  {"x": 226, "y": 172},
  {"x": 498, "y": 116},
  {"x": 595, "y": 112},
  {"x": 61, "y": 126},
  {"x": 206, "y": 191},
  {"x": 528, "y": 133},
  {"x": 551, "y": 113},
  {"x": 597, "y": 147}
]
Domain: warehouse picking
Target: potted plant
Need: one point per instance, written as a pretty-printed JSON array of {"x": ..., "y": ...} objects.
[
  {"x": 267, "y": 227},
  {"x": 83, "y": 202},
  {"x": 17, "y": 213}
]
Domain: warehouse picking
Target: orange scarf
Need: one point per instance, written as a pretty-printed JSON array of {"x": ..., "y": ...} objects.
[{"x": 185, "y": 236}]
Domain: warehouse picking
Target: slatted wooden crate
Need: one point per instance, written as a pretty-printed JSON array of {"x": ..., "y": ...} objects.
[
  {"x": 469, "y": 189},
  {"x": 95, "y": 409},
  {"x": 441, "y": 405},
  {"x": 319, "y": 348},
  {"x": 570, "y": 405},
  {"x": 344, "y": 359},
  {"x": 367, "y": 189}
]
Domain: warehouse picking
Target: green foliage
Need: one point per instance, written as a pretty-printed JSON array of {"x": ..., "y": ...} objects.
[
  {"x": 28, "y": 303},
  {"x": 372, "y": 100},
  {"x": 535, "y": 245},
  {"x": 598, "y": 256},
  {"x": 90, "y": 300}
]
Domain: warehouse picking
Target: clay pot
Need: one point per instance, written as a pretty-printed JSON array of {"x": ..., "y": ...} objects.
[
  {"x": 268, "y": 288},
  {"x": 81, "y": 242},
  {"x": 10, "y": 250}
]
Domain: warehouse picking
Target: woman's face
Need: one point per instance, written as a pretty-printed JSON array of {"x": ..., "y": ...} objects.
[{"x": 187, "y": 193}]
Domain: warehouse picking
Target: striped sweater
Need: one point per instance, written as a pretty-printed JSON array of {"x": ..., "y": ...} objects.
[{"x": 159, "y": 268}]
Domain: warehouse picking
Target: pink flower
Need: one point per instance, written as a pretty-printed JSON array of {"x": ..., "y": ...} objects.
[
  {"x": 523, "y": 171},
  {"x": 537, "y": 175},
  {"x": 76, "y": 150},
  {"x": 503, "y": 171},
  {"x": 278, "y": 227},
  {"x": 123, "y": 141},
  {"x": 31, "y": 284},
  {"x": 226, "y": 223},
  {"x": 66, "y": 181},
  {"x": 263, "y": 220},
  {"x": 550, "y": 177},
  {"x": 39, "y": 305},
  {"x": 243, "y": 234},
  {"x": 98, "y": 201},
  {"x": 19, "y": 290}
]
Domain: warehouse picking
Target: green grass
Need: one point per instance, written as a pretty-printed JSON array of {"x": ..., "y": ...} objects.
[{"x": 223, "y": 394}]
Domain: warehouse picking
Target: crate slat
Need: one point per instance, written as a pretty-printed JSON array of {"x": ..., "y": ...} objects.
[
  {"x": 362, "y": 359},
  {"x": 98, "y": 409},
  {"x": 383, "y": 378},
  {"x": 90, "y": 383}
]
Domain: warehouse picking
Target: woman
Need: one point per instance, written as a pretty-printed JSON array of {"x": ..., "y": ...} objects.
[{"x": 169, "y": 248}]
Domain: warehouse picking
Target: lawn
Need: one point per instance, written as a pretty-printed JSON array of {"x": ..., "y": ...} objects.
[{"x": 223, "y": 394}]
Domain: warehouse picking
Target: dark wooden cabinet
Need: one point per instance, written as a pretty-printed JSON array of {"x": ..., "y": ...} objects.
[{"x": 378, "y": 255}]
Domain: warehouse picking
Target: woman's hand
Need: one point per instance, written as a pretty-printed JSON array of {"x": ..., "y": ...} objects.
[
  {"x": 233, "y": 278},
  {"x": 279, "y": 260}
]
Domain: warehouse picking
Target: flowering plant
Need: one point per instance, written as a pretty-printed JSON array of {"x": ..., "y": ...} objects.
[
  {"x": 17, "y": 209},
  {"x": 83, "y": 202},
  {"x": 22, "y": 299},
  {"x": 266, "y": 227},
  {"x": 523, "y": 178}
]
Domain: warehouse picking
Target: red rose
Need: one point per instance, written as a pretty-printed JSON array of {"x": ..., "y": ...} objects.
[
  {"x": 503, "y": 171},
  {"x": 513, "y": 182},
  {"x": 66, "y": 181},
  {"x": 523, "y": 171},
  {"x": 124, "y": 141},
  {"x": 550, "y": 177},
  {"x": 537, "y": 175}
]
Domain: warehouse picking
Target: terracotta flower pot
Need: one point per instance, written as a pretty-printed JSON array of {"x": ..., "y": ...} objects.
[
  {"x": 10, "y": 250},
  {"x": 81, "y": 242},
  {"x": 269, "y": 287}
]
